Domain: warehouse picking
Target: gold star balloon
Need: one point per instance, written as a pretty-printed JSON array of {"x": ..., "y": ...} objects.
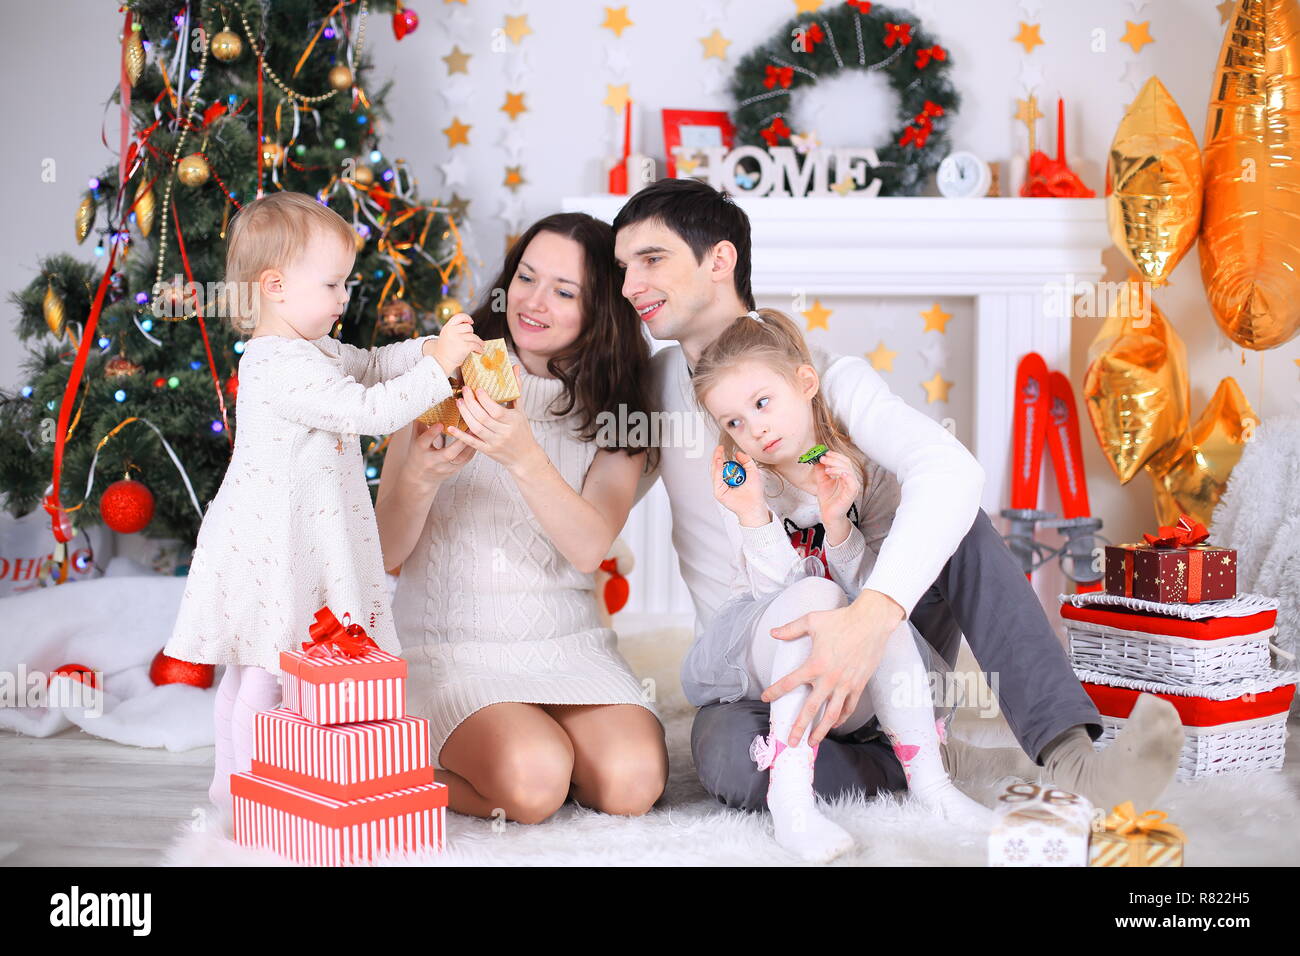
[
  {"x": 1250, "y": 226},
  {"x": 1154, "y": 183},
  {"x": 1136, "y": 386},
  {"x": 1194, "y": 480}
]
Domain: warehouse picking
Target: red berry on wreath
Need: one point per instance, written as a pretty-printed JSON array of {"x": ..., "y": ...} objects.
[
  {"x": 126, "y": 506},
  {"x": 171, "y": 670}
]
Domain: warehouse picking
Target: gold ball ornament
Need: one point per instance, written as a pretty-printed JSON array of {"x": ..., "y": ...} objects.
[
  {"x": 193, "y": 170},
  {"x": 85, "y": 218},
  {"x": 226, "y": 46},
  {"x": 119, "y": 366},
  {"x": 364, "y": 175},
  {"x": 358, "y": 239},
  {"x": 446, "y": 308},
  {"x": 397, "y": 317},
  {"x": 144, "y": 206},
  {"x": 55, "y": 314},
  {"x": 341, "y": 78},
  {"x": 272, "y": 154}
]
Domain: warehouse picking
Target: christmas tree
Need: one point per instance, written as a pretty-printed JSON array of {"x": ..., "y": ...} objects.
[{"x": 220, "y": 103}]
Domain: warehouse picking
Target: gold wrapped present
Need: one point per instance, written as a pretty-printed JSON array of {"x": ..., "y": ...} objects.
[
  {"x": 1127, "y": 839},
  {"x": 491, "y": 371},
  {"x": 445, "y": 413}
]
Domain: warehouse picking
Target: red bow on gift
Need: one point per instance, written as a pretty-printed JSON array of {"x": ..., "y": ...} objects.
[
  {"x": 779, "y": 74},
  {"x": 862, "y": 6},
  {"x": 1186, "y": 533},
  {"x": 923, "y": 57},
  {"x": 776, "y": 131},
  {"x": 898, "y": 32},
  {"x": 329, "y": 638}
]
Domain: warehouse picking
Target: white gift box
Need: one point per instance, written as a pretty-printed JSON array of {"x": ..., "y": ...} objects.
[{"x": 1040, "y": 826}]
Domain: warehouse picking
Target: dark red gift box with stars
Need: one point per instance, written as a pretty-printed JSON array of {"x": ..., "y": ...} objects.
[{"x": 1175, "y": 566}]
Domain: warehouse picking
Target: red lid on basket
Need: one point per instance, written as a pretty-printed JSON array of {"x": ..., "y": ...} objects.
[
  {"x": 1206, "y": 629},
  {"x": 1195, "y": 711}
]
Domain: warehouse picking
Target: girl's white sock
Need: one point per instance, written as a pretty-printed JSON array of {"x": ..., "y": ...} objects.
[
  {"x": 901, "y": 694},
  {"x": 222, "y": 717}
]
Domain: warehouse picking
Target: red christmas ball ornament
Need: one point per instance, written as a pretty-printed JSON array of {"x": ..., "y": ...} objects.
[
  {"x": 170, "y": 670},
  {"x": 126, "y": 506},
  {"x": 232, "y": 387},
  {"x": 404, "y": 21},
  {"x": 78, "y": 672}
]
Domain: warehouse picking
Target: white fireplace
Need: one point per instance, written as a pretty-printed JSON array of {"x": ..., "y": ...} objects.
[{"x": 1004, "y": 254}]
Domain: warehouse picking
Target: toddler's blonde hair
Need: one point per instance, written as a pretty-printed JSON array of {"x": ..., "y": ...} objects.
[
  {"x": 775, "y": 341},
  {"x": 272, "y": 233}
]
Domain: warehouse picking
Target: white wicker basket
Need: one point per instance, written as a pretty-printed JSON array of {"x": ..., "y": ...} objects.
[{"x": 1245, "y": 747}]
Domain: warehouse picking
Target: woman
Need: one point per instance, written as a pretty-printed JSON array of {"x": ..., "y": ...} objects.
[{"x": 498, "y": 534}]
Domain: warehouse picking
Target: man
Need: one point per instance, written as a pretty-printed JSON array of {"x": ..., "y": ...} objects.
[{"x": 685, "y": 249}]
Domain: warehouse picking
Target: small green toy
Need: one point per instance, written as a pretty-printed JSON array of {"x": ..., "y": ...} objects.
[{"x": 813, "y": 455}]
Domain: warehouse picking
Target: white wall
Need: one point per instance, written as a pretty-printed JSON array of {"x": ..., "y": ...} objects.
[{"x": 568, "y": 131}]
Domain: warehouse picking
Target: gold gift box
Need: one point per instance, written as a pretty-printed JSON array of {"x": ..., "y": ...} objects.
[
  {"x": 490, "y": 371},
  {"x": 1127, "y": 839}
]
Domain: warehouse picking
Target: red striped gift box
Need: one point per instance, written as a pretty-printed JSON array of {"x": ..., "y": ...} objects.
[
  {"x": 315, "y": 830},
  {"x": 344, "y": 690},
  {"x": 344, "y": 761}
]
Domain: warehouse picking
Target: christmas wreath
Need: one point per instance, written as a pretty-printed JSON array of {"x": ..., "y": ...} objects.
[{"x": 857, "y": 35}]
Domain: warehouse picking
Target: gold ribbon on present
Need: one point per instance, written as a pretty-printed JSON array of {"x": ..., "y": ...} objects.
[{"x": 1125, "y": 828}]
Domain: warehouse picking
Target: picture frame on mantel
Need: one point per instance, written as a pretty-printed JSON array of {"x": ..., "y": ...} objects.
[{"x": 695, "y": 129}]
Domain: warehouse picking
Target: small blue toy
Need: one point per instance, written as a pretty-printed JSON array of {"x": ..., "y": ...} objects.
[{"x": 733, "y": 474}]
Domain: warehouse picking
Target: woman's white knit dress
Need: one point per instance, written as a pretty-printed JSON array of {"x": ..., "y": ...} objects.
[
  {"x": 488, "y": 610},
  {"x": 292, "y": 528}
]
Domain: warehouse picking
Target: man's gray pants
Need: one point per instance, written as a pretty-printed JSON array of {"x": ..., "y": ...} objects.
[{"x": 981, "y": 593}]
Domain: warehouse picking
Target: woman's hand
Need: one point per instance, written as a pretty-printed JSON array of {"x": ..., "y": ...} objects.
[
  {"x": 500, "y": 433},
  {"x": 745, "y": 501},
  {"x": 426, "y": 465},
  {"x": 838, "y": 487}
]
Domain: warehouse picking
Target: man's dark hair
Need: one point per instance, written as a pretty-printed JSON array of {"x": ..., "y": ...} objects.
[{"x": 701, "y": 217}]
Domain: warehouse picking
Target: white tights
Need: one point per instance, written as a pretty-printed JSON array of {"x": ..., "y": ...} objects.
[{"x": 244, "y": 690}]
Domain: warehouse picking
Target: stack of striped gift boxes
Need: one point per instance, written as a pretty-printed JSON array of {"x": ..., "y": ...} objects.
[
  {"x": 1172, "y": 624},
  {"x": 340, "y": 773}
]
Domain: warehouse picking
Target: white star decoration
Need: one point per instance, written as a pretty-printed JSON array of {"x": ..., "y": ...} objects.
[
  {"x": 715, "y": 11},
  {"x": 1032, "y": 8},
  {"x": 616, "y": 59},
  {"x": 457, "y": 23},
  {"x": 1031, "y": 74},
  {"x": 934, "y": 353},
  {"x": 518, "y": 68},
  {"x": 715, "y": 78},
  {"x": 512, "y": 211},
  {"x": 454, "y": 170},
  {"x": 1133, "y": 74},
  {"x": 512, "y": 141},
  {"x": 456, "y": 90}
]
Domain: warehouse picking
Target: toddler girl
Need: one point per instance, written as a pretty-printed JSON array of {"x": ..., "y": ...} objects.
[
  {"x": 807, "y": 526},
  {"x": 291, "y": 528}
]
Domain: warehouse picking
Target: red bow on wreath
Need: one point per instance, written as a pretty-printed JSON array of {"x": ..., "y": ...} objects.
[
  {"x": 916, "y": 135},
  {"x": 928, "y": 110},
  {"x": 862, "y": 6},
  {"x": 898, "y": 32},
  {"x": 329, "y": 638},
  {"x": 779, "y": 74},
  {"x": 814, "y": 36},
  {"x": 923, "y": 57},
  {"x": 778, "y": 130},
  {"x": 1186, "y": 533}
]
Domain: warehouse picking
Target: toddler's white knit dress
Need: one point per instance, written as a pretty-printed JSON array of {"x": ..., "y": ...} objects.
[
  {"x": 488, "y": 610},
  {"x": 292, "y": 528}
]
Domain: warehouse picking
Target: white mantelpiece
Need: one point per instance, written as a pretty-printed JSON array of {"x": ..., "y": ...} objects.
[{"x": 1006, "y": 254}]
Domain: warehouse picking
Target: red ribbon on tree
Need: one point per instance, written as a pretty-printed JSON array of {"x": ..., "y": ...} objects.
[
  {"x": 862, "y": 6},
  {"x": 779, "y": 74},
  {"x": 1185, "y": 534},
  {"x": 923, "y": 57},
  {"x": 898, "y": 33},
  {"x": 329, "y": 638},
  {"x": 776, "y": 131}
]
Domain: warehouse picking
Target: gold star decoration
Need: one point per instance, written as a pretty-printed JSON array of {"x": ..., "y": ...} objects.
[
  {"x": 807, "y": 6},
  {"x": 936, "y": 389},
  {"x": 514, "y": 105},
  {"x": 517, "y": 27},
  {"x": 817, "y": 316},
  {"x": 687, "y": 164},
  {"x": 1027, "y": 110},
  {"x": 616, "y": 19},
  {"x": 1225, "y": 10},
  {"x": 936, "y": 319},
  {"x": 453, "y": 1},
  {"x": 514, "y": 178},
  {"x": 457, "y": 61},
  {"x": 845, "y": 186},
  {"x": 715, "y": 44},
  {"x": 882, "y": 359},
  {"x": 616, "y": 97},
  {"x": 458, "y": 208},
  {"x": 457, "y": 133},
  {"x": 1137, "y": 35},
  {"x": 1028, "y": 36}
]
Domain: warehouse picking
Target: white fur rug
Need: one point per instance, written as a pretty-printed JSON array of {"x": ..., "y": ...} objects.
[{"x": 1235, "y": 821}]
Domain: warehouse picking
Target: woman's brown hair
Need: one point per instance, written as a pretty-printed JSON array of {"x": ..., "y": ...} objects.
[
  {"x": 775, "y": 341},
  {"x": 606, "y": 368}
]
